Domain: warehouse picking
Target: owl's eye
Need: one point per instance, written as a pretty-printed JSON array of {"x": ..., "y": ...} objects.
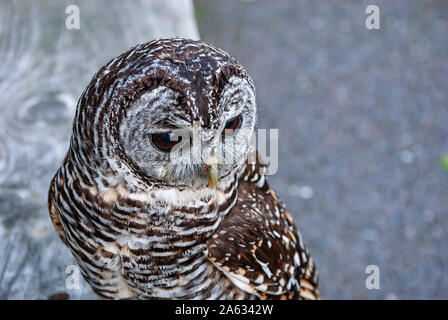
[
  {"x": 164, "y": 141},
  {"x": 232, "y": 125}
]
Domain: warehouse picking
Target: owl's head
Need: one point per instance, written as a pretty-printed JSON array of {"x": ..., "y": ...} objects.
[{"x": 172, "y": 111}]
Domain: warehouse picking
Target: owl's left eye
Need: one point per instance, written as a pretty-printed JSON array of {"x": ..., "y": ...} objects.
[
  {"x": 164, "y": 141},
  {"x": 232, "y": 125}
]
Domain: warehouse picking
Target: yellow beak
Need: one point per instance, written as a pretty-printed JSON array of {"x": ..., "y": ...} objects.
[{"x": 211, "y": 169}]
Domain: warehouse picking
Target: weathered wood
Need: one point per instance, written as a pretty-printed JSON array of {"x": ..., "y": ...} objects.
[{"x": 43, "y": 69}]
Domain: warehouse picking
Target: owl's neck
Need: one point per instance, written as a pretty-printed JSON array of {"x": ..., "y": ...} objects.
[
  {"x": 201, "y": 207},
  {"x": 162, "y": 201}
]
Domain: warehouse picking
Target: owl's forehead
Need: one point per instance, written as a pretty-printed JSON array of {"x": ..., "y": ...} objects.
[
  {"x": 189, "y": 55},
  {"x": 197, "y": 71}
]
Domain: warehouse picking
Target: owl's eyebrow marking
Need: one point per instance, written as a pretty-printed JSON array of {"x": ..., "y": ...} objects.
[
  {"x": 175, "y": 122},
  {"x": 166, "y": 123}
]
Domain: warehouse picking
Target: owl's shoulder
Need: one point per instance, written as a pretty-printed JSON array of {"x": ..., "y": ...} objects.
[{"x": 257, "y": 245}]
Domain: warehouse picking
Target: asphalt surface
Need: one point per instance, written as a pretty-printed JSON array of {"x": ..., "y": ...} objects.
[{"x": 363, "y": 123}]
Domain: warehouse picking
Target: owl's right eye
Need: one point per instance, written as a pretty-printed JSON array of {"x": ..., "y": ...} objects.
[{"x": 164, "y": 141}]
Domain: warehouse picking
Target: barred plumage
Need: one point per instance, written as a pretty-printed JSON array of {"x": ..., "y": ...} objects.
[{"x": 144, "y": 227}]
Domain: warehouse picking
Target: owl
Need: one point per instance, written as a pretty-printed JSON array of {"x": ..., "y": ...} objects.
[{"x": 156, "y": 197}]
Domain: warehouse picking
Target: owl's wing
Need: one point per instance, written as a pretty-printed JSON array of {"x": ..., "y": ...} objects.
[
  {"x": 258, "y": 247},
  {"x": 54, "y": 215}
]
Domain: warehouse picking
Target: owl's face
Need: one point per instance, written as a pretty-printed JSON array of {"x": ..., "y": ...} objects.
[{"x": 192, "y": 124}]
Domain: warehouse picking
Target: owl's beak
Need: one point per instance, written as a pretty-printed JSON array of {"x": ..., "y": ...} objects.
[{"x": 211, "y": 171}]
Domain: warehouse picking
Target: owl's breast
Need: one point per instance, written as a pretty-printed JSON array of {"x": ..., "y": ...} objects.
[
  {"x": 167, "y": 260},
  {"x": 141, "y": 244}
]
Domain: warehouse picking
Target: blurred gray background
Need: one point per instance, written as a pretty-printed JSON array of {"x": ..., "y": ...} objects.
[{"x": 362, "y": 118}]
